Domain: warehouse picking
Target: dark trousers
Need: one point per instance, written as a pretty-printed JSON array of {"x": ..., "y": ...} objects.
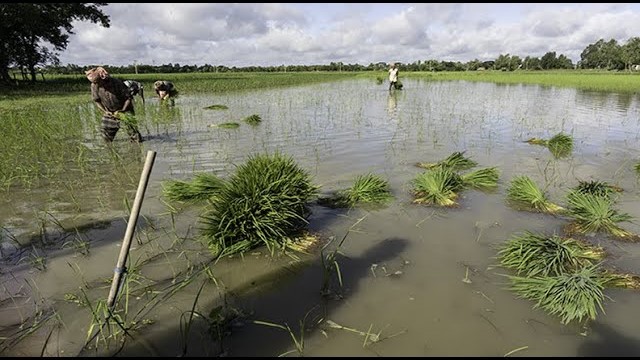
[{"x": 111, "y": 125}]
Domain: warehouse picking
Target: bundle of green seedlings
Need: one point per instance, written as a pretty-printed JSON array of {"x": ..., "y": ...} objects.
[
  {"x": 264, "y": 202},
  {"x": 253, "y": 119},
  {"x": 366, "y": 189},
  {"x": 636, "y": 167},
  {"x": 441, "y": 183},
  {"x": 226, "y": 125},
  {"x": 593, "y": 212},
  {"x": 201, "y": 188},
  {"x": 562, "y": 275},
  {"x": 560, "y": 145},
  {"x": 524, "y": 191},
  {"x": 217, "y": 107}
]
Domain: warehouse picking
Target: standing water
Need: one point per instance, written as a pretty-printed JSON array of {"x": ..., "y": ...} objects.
[{"x": 411, "y": 280}]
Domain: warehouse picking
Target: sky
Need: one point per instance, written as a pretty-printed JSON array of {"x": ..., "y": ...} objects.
[{"x": 274, "y": 34}]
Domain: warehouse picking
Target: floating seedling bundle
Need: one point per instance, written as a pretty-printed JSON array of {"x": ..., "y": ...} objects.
[
  {"x": 366, "y": 189},
  {"x": 441, "y": 182},
  {"x": 560, "y": 145}
]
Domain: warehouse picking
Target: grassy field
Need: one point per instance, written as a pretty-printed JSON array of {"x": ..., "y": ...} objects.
[{"x": 623, "y": 82}]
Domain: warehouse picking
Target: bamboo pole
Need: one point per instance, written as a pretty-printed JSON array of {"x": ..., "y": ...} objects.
[{"x": 128, "y": 236}]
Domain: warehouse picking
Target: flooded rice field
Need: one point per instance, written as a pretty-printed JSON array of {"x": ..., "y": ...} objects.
[{"x": 411, "y": 280}]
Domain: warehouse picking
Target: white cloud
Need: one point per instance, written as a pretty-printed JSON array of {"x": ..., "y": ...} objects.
[{"x": 266, "y": 34}]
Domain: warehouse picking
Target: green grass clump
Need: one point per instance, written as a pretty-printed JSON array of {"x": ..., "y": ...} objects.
[
  {"x": 366, "y": 189},
  {"x": 217, "y": 107},
  {"x": 572, "y": 296},
  {"x": 593, "y": 213},
  {"x": 253, "y": 119},
  {"x": 455, "y": 162},
  {"x": 264, "y": 202},
  {"x": 523, "y": 190},
  {"x": 532, "y": 254},
  {"x": 438, "y": 186}
]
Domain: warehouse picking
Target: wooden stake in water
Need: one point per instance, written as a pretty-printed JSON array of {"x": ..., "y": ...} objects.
[{"x": 128, "y": 236}]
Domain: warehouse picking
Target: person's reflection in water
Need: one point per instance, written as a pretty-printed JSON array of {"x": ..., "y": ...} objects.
[{"x": 392, "y": 102}]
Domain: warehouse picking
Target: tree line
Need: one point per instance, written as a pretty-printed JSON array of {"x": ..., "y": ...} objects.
[{"x": 25, "y": 27}]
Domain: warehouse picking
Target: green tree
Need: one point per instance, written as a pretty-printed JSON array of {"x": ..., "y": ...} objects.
[
  {"x": 26, "y": 29},
  {"x": 631, "y": 52}
]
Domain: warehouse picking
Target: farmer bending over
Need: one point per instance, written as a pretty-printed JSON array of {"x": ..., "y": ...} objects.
[
  {"x": 112, "y": 96},
  {"x": 165, "y": 89}
]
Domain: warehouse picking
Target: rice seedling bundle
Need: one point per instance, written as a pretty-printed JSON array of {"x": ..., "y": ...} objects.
[
  {"x": 253, "y": 119},
  {"x": 595, "y": 213},
  {"x": 438, "y": 186},
  {"x": 571, "y": 296},
  {"x": 227, "y": 125},
  {"x": 597, "y": 188},
  {"x": 532, "y": 254},
  {"x": 202, "y": 187},
  {"x": 523, "y": 190},
  {"x": 560, "y": 145},
  {"x": 481, "y": 179},
  {"x": 455, "y": 162},
  {"x": 217, "y": 107},
  {"x": 368, "y": 188},
  {"x": 265, "y": 201}
]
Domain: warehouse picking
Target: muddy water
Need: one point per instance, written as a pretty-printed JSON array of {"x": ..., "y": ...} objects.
[{"x": 424, "y": 280}]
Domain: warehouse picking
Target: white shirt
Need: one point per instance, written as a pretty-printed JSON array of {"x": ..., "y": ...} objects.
[{"x": 393, "y": 74}]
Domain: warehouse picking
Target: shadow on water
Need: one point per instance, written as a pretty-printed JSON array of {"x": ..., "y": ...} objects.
[
  {"x": 606, "y": 341},
  {"x": 66, "y": 239},
  {"x": 293, "y": 301},
  {"x": 283, "y": 297}
]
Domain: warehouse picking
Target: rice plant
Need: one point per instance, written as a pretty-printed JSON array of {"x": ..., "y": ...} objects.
[
  {"x": 227, "y": 125},
  {"x": 560, "y": 145},
  {"x": 524, "y": 191},
  {"x": 379, "y": 80},
  {"x": 571, "y": 296},
  {"x": 533, "y": 254},
  {"x": 598, "y": 188},
  {"x": 253, "y": 119},
  {"x": 593, "y": 213},
  {"x": 366, "y": 189},
  {"x": 265, "y": 201},
  {"x": 438, "y": 186},
  {"x": 536, "y": 141},
  {"x": 636, "y": 167},
  {"x": 481, "y": 179},
  {"x": 621, "y": 280},
  {"x": 217, "y": 107},
  {"x": 202, "y": 187},
  {"x": 455, "y": 162}
]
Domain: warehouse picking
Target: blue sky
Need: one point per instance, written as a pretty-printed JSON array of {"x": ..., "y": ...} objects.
[{"x": 268, "y": 34}]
